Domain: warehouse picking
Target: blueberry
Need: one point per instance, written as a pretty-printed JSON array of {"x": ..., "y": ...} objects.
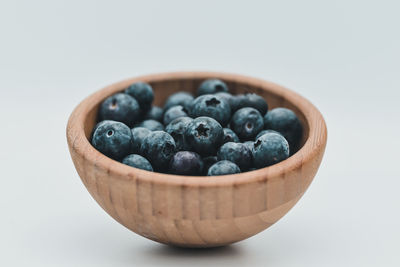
[
  {"x": 120, "y": 107},
  {"x": 286, "y": 122},
  {"x": 264, "y": 132},
  {"x": 238, "y": 153},
  {"x": 269, "y": 149},
  {"x": 230, "y": 136},
  {"x": 204, "y": 135},
  {"x": 249, "y": 144},
  {"x": 138, "y": 136},
  {"x": 173, "y": 113},
  {"x": 208, "y": 162},
  {"x": 212, "y": 86},
  {"x": 155, "y": 113},
  {"x": 112, "y": 138},
  {"x": 211, "y": 106},
  {"x": 176, "y": 129},
  {"x": 137, "y": 161},
  {"x": 253, "y": 101},
  {"x": 225, "y": 96},
  {"x": 152, "y": 125},
  {"x": 158, "y": 147},
  {"x": 180, "y": 98},
  {"x": 223, "y": 167},
  {"x": 231, "y": 99},
  {"x": 186, "y": 163},
  {"x": 247, "y": 123},
  {"x": 235, "y": 102},
  {"x": 143, "y": 93}
]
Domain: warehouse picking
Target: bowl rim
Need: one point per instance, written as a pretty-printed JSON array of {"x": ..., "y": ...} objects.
[{"x": 315, "y": 142}]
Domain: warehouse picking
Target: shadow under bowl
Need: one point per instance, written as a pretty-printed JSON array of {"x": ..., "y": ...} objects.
[{"x": 197, "y": 211}]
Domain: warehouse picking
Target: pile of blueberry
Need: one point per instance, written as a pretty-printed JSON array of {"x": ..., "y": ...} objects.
[{"x": 215, "y": 133}]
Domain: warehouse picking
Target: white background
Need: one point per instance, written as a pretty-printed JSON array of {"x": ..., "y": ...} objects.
[{"x": 342, "y": 55}]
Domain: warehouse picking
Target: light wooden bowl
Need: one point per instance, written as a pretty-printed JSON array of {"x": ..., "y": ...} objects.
[{"x": 197, "y": 211}]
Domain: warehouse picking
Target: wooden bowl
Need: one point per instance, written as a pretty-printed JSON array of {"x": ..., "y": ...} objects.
[{"x": 197, "y": 211}]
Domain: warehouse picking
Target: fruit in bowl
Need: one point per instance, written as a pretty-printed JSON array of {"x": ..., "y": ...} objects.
[
  {"x": 200, "y": 192},
  {"x": 193, "y": 127}
]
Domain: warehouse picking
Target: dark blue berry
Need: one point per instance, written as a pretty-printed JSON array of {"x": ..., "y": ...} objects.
[
  {"x": 155, "y": 113},
  {"x": 223, "y": 167},
  {"x": 138, "y": 136},
  {"x": 234, "y": 102},
  {"x": 176, "y": 129},
  {"x": 253, "y": 101},
  {"x": 249, "y": 144},
  {"x": 120, "y": 107},
  {"x": 230, "y": 136},
  {"x": 286, "y": 122},
  {"x": 208, "y": 162},
  {"x": 204, "y": 135},
  {"x": 143, "y": 93},
  {"x": 186, "y": 163},
  {"x": 247, "y": 123},
  {"x": 212, "y": 86},
  {"x": 269, "y": 149},
  {"x": 264, "y": 132},
  {"x": 137, "y": 161},
  {"x": 225, "y": 96},
  {"x": 231, "y": 99},
  {"x": 238, "y": 153},
  {"x": 180, "y": 98},
  {"x": 158, "y": 147},
  {"x": 112, "y": 138},
  {"x": 211, "y": 106},
  {"x": 152, "y": 125},
  {"x": 174, "y": 113}
]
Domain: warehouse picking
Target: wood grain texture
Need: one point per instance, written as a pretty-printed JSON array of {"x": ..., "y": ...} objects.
[{"x": 197, "y": 211}]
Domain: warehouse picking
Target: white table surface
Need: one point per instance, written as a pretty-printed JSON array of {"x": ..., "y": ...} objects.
[{"x": 342, "y": 55}]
